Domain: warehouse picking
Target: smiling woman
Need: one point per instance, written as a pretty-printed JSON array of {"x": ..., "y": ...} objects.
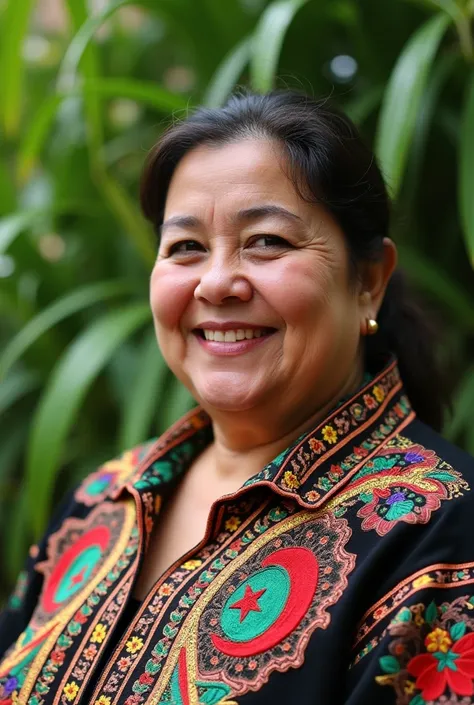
[{"x": 248, "y": 553}]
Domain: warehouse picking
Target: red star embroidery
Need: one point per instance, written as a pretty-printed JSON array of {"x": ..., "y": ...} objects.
[
  {"x": 249, "y": 602},
  {"x": 78, "y": 578}
]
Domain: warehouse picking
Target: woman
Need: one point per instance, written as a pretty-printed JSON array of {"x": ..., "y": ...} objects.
[{"x": 302, "y": 536}]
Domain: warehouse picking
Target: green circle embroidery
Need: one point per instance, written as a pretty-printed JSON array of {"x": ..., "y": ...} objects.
[
  {"x": 77, "y": 573},
  {"x": 255, "y": 604}
]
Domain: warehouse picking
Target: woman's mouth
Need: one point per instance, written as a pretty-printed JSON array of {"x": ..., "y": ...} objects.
[{"x": 232, "y": 342}]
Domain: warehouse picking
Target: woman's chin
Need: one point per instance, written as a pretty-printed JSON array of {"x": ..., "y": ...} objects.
[{"x": 224, "y": 397}]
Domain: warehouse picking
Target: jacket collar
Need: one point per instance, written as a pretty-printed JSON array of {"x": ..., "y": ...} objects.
[{"x": 312, "y": 468}]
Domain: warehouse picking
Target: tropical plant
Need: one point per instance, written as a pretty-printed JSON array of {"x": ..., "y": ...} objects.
[{"x": 81, "y": 376}]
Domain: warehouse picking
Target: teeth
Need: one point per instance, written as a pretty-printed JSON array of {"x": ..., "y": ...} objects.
[{"x": 231, "y": 336}]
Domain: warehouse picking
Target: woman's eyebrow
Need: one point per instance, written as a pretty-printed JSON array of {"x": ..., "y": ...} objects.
[
  {"x": 259, "y": 212},
  {"x": 190, "y": 222}
]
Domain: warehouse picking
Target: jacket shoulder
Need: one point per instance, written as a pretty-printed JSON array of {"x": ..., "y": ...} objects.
[
  {"x": 445, "y": 451},
  {"x": 103, "y": 482}
]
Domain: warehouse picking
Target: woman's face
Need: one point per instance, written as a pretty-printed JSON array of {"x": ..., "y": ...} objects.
[{"x": 241, "y": 249}]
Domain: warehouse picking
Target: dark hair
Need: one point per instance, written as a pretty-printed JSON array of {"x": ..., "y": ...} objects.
[{"x": 328, "y": 163}]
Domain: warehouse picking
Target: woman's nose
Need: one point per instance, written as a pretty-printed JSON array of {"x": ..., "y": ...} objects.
[{"x": 222, "y": 280}]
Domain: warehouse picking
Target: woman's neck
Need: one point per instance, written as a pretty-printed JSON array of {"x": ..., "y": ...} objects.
[{"x": 245, "y": 442}]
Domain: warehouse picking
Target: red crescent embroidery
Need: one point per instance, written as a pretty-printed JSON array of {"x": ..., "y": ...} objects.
[
  {"x": 302, "y": 568},
  {"x": 98, "y": 536}
]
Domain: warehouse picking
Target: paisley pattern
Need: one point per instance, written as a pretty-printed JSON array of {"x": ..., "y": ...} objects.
[
  {"x": 100, "y": 484},
  {"x": 84, "y": 558},
  {"x": 258, "y": 614}
]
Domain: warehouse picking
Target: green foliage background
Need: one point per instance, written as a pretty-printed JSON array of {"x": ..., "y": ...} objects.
[{"x": 80, "y": 375}]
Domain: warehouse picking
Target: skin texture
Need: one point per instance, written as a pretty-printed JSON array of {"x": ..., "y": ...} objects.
[{"x": 261, "y": 400}]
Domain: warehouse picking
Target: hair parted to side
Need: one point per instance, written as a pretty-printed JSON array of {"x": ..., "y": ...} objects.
[{"x": 328, "y": 163}]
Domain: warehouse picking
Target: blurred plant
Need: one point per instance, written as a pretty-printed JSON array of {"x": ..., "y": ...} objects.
[{"x": 84, "y": 97}]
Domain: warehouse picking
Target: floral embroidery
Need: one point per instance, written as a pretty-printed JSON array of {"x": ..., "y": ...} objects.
[
  {"x": 134, "y": 644},
  {"x": 290, "y": 480},
  {"x": 103, "y": 700},
  {"x": 324, "y": 483},
  {"x": 71, "y": 690},
  {"x": 438, "y": 640},
  {"x": 405, "y": 483},
  {"x": 449, "y": 575},
  {"x": 99, "y": 634},
  {"x": 232, "y": 524},
  {"x": 378, "y": 393},
  {"x": 329, "y": 434},
  {"x": 432, "y": 656},
  {"x": 192, "y": 564}
]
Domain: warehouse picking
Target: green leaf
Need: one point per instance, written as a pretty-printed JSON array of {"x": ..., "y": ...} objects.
[
  {"x": 457, "y": 631},
  {"x": 13, "y": 225},
  {"x": 41, "y": 124},
  {"x": 403, "y": 97},
  {"x": 62, "y": 398},
  {"x": 62, "y": 308},
  {"x": 431, "y": 613},
  {"x": 16, "y": 386},
  {"x": 67, "y": 73},
  {"x": 443, "y": 476},
  {"x": 463, "y": 406},
  {"x": 389, "y": 664},
  {"x": 417, "y": 700},
  {"x": 14, "y": 28},
  {"x": 227, "y": 74},
  {"x": 404, "y": 615},
  {"x": 16, "y": 548},
  {"x": 466, "y": 170},
  {"x": 268, "y": 41},
  {"x": 142, "y": 404},
  {"x": 431, "y": 278},
  {"x": 364, "y": 105}
]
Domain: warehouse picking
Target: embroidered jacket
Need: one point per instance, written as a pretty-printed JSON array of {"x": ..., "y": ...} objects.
[{"x": 342, "y": 573}]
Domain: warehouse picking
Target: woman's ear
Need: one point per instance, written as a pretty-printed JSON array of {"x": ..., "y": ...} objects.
[{"x": 374, "y": 277}]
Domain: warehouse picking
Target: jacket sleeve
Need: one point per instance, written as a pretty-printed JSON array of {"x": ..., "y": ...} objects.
[{"x": 20, "y": 606}]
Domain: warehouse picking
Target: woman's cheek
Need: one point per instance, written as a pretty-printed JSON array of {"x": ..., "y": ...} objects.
[{"x": 170, "y": 294}]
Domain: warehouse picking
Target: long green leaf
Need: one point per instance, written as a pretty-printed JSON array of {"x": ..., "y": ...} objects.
[
  {"x": 62, "y": 398},
  {"x": 466, "y": 170},
  {"x": 361, "y": 107},
  {"x": 40, "y": 127},
  {"x": 146, "y": 394},
  {"x": 268, "y": 41},
  {"x": 228, "y": 73},
  {"x": 11, "y": 226},
  {"x": 18, "y": 536},
  {"x": 18, "y": 384},
  {"x": 403, "y": 97},
  {"x": 78, "y": 300},
  {"x": 429, "y": 277},
  {"x": 67, "y": 73},
  {"x": 12, "y": 65},
  {"x": 463, "y": 405}
]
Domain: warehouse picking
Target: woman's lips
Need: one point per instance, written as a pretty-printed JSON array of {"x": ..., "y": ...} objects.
[{"x": 238, "y": 348}]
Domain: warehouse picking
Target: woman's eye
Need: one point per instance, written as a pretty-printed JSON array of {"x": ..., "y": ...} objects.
[
  {"x": 183, "y": 246},
  {"x": 270, "y": 241}
]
